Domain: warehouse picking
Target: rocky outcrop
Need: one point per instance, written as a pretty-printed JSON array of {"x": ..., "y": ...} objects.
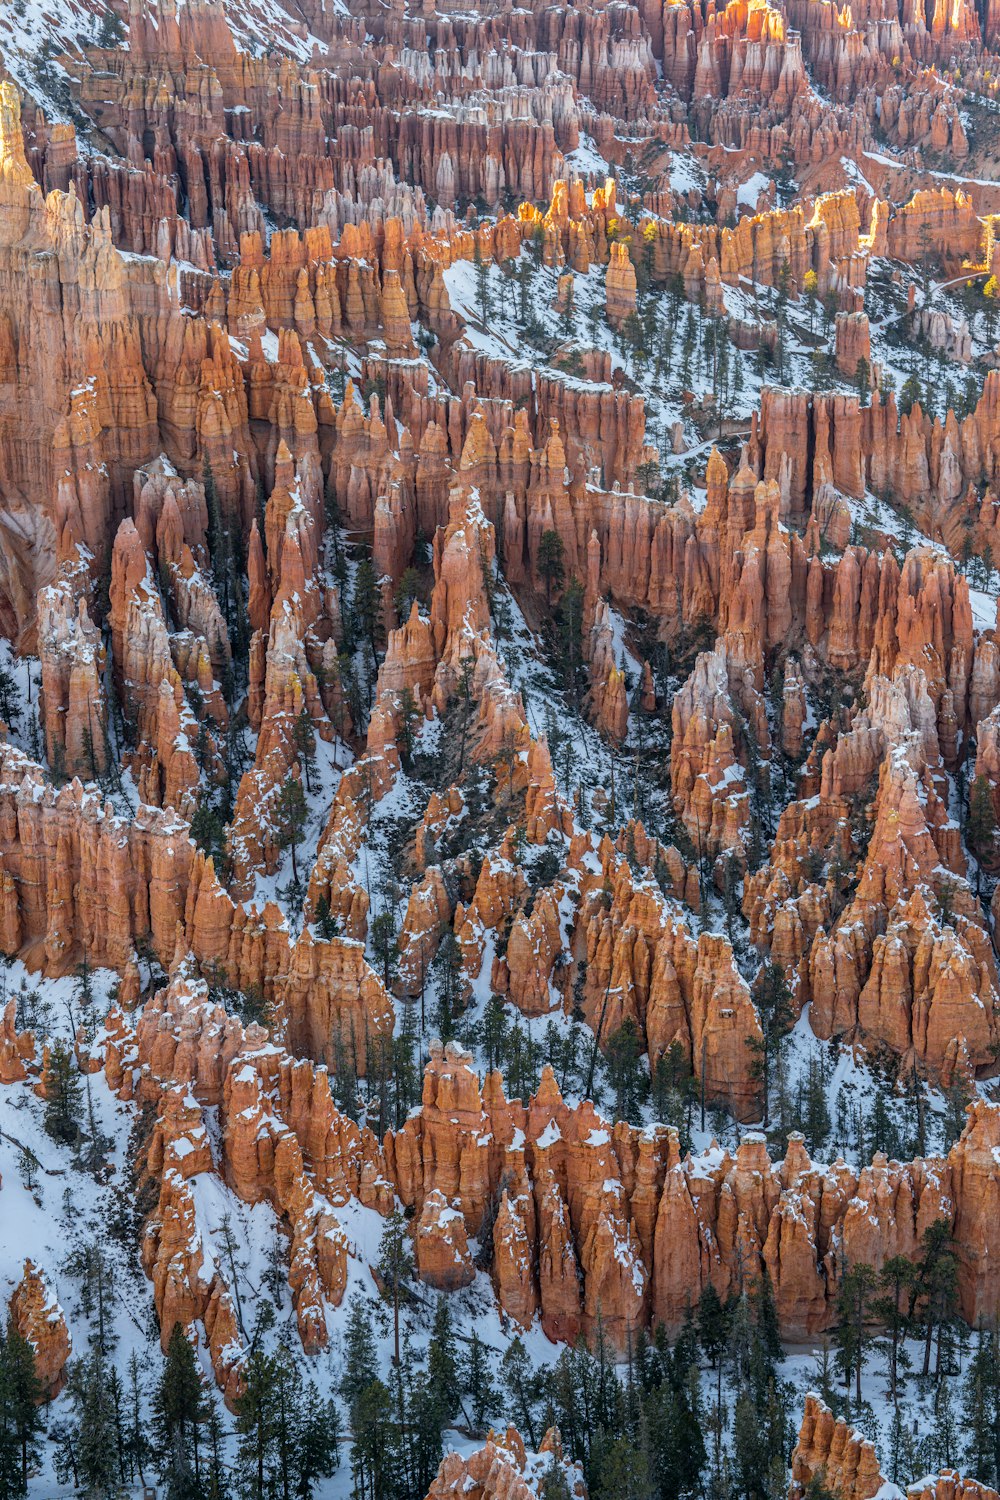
[
  {"x": 17, "y": 1049},
  {"x": 830, "y": 1451},
  {"x": 614, "y": 1223},
  {"x": 282, "y": 1141},
  {"x": 72, "y": 710},
  {"x": 36, "y": 1314},
  {"x": 502, "y": 1470},
  {"x": 442, "y": 1249}
]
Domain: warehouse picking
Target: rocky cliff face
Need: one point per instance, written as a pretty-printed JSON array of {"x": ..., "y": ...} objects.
[
  {"x": 498, "y": 536},
  {"x": 610, "y": 1222}
]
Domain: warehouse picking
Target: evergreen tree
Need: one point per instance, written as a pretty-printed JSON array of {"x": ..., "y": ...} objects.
[
  {"x": 375, "y": 1449},
  {"x": 555, "y": 1485},
  {"x": 854, "y": 1300},
  {"x": 936, "y": 1287},
  {"x": 774, "y": 1006},
  {"x": 21, "y": 1422},
  {"x": 290, "y": 813},
  {"x": 327, "y": 925},
  {"x": 409, "y": 721},
  {"x": 395, "y": 1268},
  {"x": 10, "y": 708},
  {"x": 139, "y": 1444},
  {"x": 570, "y": 637},
  {"x": 483, "y": 1396},
  {"x": 568, "y": 310},
  {"x": 94, "y": 1426},
  {"x": 306, "y": 1431},
  {"x": 304, "y": 740},
  {"x": 551, "y": 568},
  {"x": 981, "y": 823},
  {"x": 944, "y": 1436},
  {"x": 889, "y": 1307},
  {"x": 256, "y": 1425},
  {"x": 384, "y": 946},
  {"x": 360, "y": 1353},
  {"x": 713, "y": 1335},
  {"x": 178, "y": 1411},
  {"x": 63, "y": 1095},
  {"x": 215, "y": 1485},
  {"x": 982, "y": 1409},
  {"x": 367, "y": 601},
  {"x": 484, "y": 299},
  {"x": 443, "y": 1366},
  {"x": 625, "y": 1073},
  {"x": 448, "y": 968},
  {"x": 622, "y": 1470}
]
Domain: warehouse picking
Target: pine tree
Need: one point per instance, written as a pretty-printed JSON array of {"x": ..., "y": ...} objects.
[
  {"x": 712, "y": 1325},
  {"x": 94, "y": 1438},
  {"x": 91, "y": 1264},
  {"x": 375, "y": 1449},
  {"x": 256, "y": 1424},
  {"x": 982, "y": 1409},
  {"x": 625, "y": 1072},
  {"x": 570, "y": 621},
  {"x": 10, "y": 708},
  {"x": 551, "y": 568},
  {"x": 385, "y": 948},
  {"x": 215, "y": 538},
  {"x": 395, "y": 1267},
  {"x": 623, "y": 1470},
  {"x": 317, "y": 1442},
  {"x": 857, "y": 1290},
  {"x": 327, "y": 925},
  {"x": 443, "y": 1365},
  {"x": 304, "y": 740},
  {"x": 367, "y": 601},
  {"x": 981, "y": 824},
  {"x": 484, "y": 299},
  {"x": 139, "y": 1445},
  {"x": 448, "y": 967},
  {"x": 300, "y": 1432},
  {"x": 774, "y": 1006},
  {"x": 216, "y": 1479},
  {"x": 483, "y": 1396},
  {"x": 944, "y": 1437},
  {"x": 21, "y": 1423},
  {"x": 111, "y": 32},
  {"x": 889, "y": 1307},
  {"x": 11, "y": 1483},
  {"x": 178, "y": 1411},
  {"x": 63, "y": 1095},
  {"x": 290, "y": 813},
  {"x": 936, "y": 1286},
  {"x": 409, "y": 719}
]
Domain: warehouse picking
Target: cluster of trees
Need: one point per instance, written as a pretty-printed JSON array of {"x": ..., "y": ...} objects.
[
  {"x": 655, "y": 1428},
  {"x": 121, "y": 1432},
  {"x": 906, "y": 1299},
  {"x": 21, "y": 1422},
  {"x": 398, "y": 1415}
]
